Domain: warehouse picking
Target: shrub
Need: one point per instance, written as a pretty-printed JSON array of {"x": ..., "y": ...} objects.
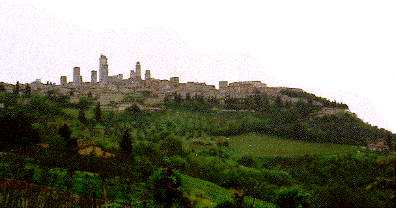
[
  {"x": 247, "y": 161},
  {"x": 164, "y": 185},
  {"x": 277, "y": 177},
  {"x": 171, "y": 146},
  {"x": 290, "y": 198},
  {"x": 225, "y": 204},
  {"x": 215, "y": 152}
]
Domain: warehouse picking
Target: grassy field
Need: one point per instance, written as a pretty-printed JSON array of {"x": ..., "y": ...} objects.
[
  {"x": 74, "y": 112},
  {"x": 263, "y": 145}
]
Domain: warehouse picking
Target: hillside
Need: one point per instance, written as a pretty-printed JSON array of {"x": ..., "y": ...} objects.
[{"x": 197, "y": 150}]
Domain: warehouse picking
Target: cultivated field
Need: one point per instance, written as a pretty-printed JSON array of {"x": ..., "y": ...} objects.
[{"x": 264, "y": 145}]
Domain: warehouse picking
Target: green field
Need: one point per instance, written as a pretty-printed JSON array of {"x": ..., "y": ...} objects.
[
  {"x": 264, "y": 145},
  {"x": 74, "y": 112}
]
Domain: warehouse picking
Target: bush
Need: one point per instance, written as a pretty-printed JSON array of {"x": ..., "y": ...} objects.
[
  {"x": 277, "y": 177},
  {"x": 290, "y": 198},
  {"x": 132, "y": 110},
  {"x": 225, "y": 204},
  {"x": 171, "y": 146},
  {"x": 165, "y": 188},
  {"x": 247, "y": 161},
  {"x": 213, "y": 152}
]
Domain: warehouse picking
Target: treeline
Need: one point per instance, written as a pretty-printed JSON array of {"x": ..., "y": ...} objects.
[{"x": 311, "y": 97}]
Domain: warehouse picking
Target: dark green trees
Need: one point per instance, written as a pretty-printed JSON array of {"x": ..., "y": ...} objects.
[
  {"x": 81, "y": 117},
  {"x": 16, "y": 131},
  {"x": 165, "y": 186},
  {"x": 278, "y": 101},
  {"x": 28, "y": 91},
  {"x": 247, "y": 161},
  {"x": 132, "y": 110},
  {"x": 15, "y": 90},
  {"x": 71, "y": 143},
  {"x": 288, "y": 198},
  {"x": 125, "y": 144},
  {"x": 302, "y": 108},
  {"x": 2, "y": 88},
  {"x": 98, "y": 113},
  {"x": 84, "y": 103}
]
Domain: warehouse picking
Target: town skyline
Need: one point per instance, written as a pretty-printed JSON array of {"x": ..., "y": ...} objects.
[{"x": 346, "y": 58}]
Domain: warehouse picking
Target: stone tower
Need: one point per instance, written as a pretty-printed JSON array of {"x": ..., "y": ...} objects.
[
  {"x": 147, "y": 76},
  {"x": 94, "y": 76},
  {"x": 76, "y": 76},
  {"x": 63, "y": 80},
  {"x": 138, "y": 73},
  {"x": 103, "y": 69},
  {"x": 132, "y": 75}
]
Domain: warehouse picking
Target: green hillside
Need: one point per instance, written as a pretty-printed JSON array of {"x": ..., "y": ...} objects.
[{"x": 195, "y": 149}]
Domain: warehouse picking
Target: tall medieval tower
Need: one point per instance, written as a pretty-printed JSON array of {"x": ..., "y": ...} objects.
[
  {"x": 103, "y": 69},
  {"x": 138, "y": 73}
]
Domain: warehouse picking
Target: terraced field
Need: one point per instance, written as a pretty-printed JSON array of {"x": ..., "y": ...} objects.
[{"x": 264, "y": 145}]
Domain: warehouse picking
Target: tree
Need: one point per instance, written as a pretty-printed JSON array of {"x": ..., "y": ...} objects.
[
  {"x": 278, "y": 101},
  {"x": 389, "y": 142},
  {"x": 165, "y": 186},
  {"x": 170, "y": 145},
  {"x": 167, "y": 98},
  {"x": 15, "y": 90},
  {"x": 16, "y": 130},
  {"x": 27, "y": 91},
  {"x": 133, "y": 110},
  {"x": 290, "y": 198},
  {"x": 125, "y": 144},
  {"x": 302, "y": 108},
  {"x": 71, "y": 143},
  {"x": 68, "y": 180},
  {"x": 84, "y": 103},
  {"x": 89, "y": 94},
  {"x": 98, "y": 113},
  {"x": 247, "y": 161},
  {"x": 8, "y": 99},
  {"x": 188, "y": 96},
  {"x": 177, "y": 99},
  {"x": 2, "y": 88},
  {"x": 71, "y": 92},
  {"x": 50, "y": 93},
  {"x": 65, "y": 132},
  {"x": 81, "y": 117},
  {"x": 299, "y": 131}
]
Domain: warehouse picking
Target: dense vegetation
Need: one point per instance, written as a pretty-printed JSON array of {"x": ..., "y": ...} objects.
[
  {"x": 157, "y": 155},
  {"x": 270, "y": 115}
]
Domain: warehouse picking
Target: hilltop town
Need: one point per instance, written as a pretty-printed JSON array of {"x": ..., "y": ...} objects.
[
  {"x": 113, "y": 88},
  {"x": 149, "y": 143}
]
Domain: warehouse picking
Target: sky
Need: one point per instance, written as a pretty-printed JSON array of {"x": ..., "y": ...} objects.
[{"x": 341, "y": 50}]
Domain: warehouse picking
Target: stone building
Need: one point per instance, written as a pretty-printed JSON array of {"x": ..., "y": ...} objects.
[
  {"x": 147, "y": 76},
  {"x": 77, "y": 79},
  {"x": 103, "y": 70},
  {"x": 94, "y": 76},
  {"x": 63, "y": 80}
]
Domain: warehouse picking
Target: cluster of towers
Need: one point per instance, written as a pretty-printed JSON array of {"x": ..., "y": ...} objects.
[{"x": 104, "y": 77}]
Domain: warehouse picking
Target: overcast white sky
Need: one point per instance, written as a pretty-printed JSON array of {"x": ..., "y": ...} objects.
[{"x": 341, "y": 50}]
